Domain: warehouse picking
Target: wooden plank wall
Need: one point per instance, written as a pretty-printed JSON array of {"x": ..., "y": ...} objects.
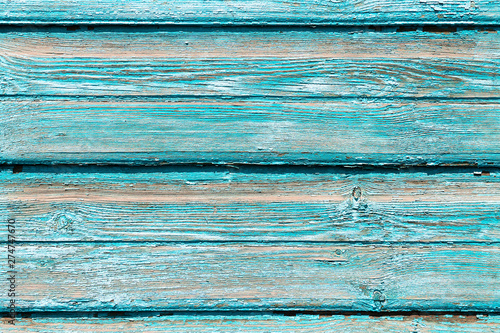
[{"x": 260, "y": 166}]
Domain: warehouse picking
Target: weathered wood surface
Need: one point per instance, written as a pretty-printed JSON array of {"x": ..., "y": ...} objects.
[
  {"x": 239, "y": 92},
  {"x": 250, "y": 96},
  {"x": 227, "y": 204},
  {"x": 73, "y": 67},
  {"x": 261, "y": 323},
  {"x": 335, "y": 132},
  {"x": 274, "y": 78},
  {"x": 331, "y": 96},
  {"x": 118, "y": 43},
  {"x": 250, "y": 276},
  {"x": 282, "y": 12}
]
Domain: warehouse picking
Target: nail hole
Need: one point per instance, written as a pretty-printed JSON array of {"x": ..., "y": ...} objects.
[{"x": 17, "y": 169}]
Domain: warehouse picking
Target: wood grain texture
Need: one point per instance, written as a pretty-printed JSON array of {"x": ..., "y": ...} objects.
[
  {"x": 314, "y": 131},
  {"x": 283, "y": 12},
  {"x": 251, "y": 42},
  {"x": 252, "y": 78},
  {"x": 276, "y": 96},
  {"x": 206, "y": 82},
  {"x": 261, "y": 323},
  {"x": 249, "y": 276},
  {"x": 81, "y": 64},
  {"x": 252, "y": 206}
]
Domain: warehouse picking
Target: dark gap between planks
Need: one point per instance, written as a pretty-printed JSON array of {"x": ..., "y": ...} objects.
[
  {"x": 247, "y": 168},
  {"x": 288, "y": 313},
  {"x": 141, "y": 28}
]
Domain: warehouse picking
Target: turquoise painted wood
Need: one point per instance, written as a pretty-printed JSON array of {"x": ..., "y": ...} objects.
[
  {"x": 251, "y": 165},
  {"x": 228, "y": 204},
  {"x": 341, "y": 97},
  {"x": 313, "y": 131},
  {"x": 270, "y": 12},
  {"x": 286, "y": 43},
  {"x": 70, "y": 68},
  {"x": 278, "y": 78},
  {"x": 132, "y": 276},
  {"x": 261, "y": 323}
]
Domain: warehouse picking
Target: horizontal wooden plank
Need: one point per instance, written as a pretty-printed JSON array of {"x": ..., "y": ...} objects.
[
  {"x": 313, "y": 131},
  {"x": 260, "y": 323},
  {"x": 245, "y": 276},
  {"x": 350, "y": 12},
  {"x": 252, "y": 206},
  {"x": 252, "y": 78},
  {"x": 189, "y": 43},
  {"x": 167, "y": 64}
]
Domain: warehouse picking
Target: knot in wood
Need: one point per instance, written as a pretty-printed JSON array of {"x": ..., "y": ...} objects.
[
  {"x": 378, "y": 296},
  {"x": 356, "y": 193}
]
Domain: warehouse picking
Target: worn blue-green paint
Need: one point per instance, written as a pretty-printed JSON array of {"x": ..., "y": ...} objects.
[
  {"x": 252, "y": 82},
  {"x": 299, "y": 64},
  {"x": 262, "y": 78},
  {"x": 138, "y": 276},
  {"x": 248, "y": 205},
  {"x": 260, "y": 95},
  {"x": 250, "y": 12},
  {"x": 313, "y": 131},
  {"x": 258, "y": 323}
]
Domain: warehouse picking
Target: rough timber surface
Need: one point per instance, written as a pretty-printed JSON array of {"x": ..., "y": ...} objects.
[
  {"x": 108, "y": 276},
  {"x": 316, "y": 131},
  {"x": 265, "y": 95},
  {"x": 229, "y": 204},
  {"x": 250, "y": 12},
  {"x": 343, "y": 83},
  {"x": 260, "y": 323},
  {"x": 301, "y": 64}
]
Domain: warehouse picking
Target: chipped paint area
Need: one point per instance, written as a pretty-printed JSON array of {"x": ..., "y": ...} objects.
[
  {"x": 258, "y": 165},
  {"x": 449, "y": 5},
  {"x": 251, "y": 12}
]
